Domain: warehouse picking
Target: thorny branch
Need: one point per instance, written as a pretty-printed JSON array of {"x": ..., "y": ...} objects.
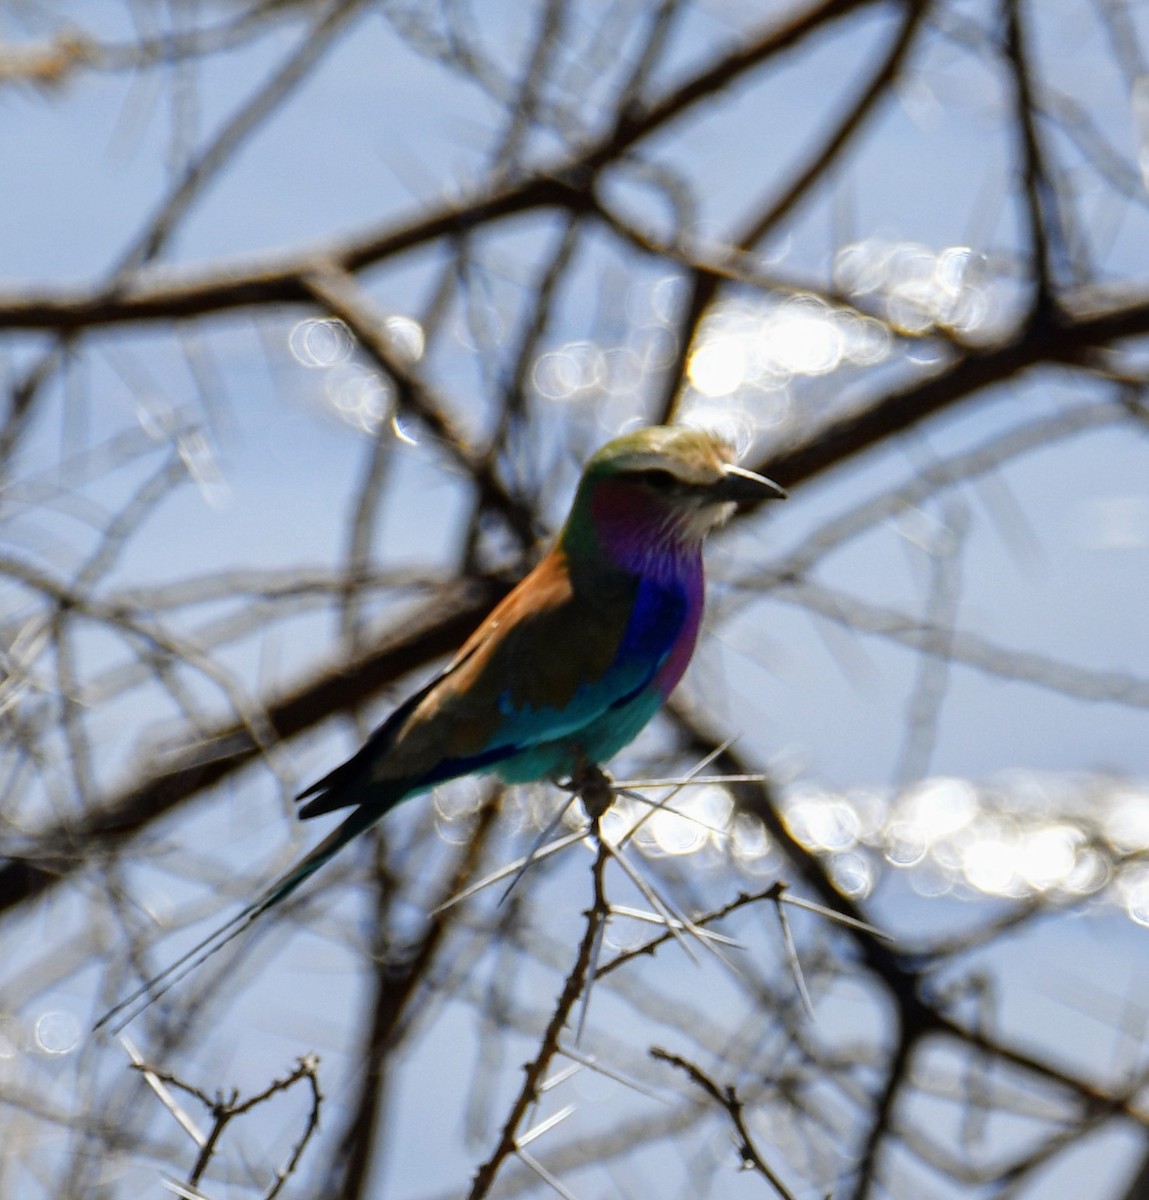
[
  {"x": 535, "y": 1071},
  {"x": 727, "y": 1098}
]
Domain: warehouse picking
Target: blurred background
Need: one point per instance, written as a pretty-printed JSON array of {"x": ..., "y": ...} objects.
[{"x": 309, "y": 315}]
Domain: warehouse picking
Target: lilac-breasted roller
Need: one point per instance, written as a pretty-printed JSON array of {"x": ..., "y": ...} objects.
[{"x": 573, "y": 662}]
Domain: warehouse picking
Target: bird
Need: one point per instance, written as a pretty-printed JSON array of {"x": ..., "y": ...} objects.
[{"x": 567, "y": 668}]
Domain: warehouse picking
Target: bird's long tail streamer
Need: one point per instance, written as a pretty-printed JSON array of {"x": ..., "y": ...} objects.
[{"x": 149, "y": 992}]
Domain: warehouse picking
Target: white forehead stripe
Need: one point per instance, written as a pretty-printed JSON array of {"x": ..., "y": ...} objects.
[{"x": 694, "y": 469}]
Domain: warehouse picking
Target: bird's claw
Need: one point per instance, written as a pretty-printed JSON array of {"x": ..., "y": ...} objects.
[{"x": 593, "y": 786}]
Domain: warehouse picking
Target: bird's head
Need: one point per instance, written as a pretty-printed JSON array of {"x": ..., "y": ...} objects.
[{"x": 665, "y": 483}]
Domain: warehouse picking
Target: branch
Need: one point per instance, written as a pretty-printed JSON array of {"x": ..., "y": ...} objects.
[
  {"x": 706, "y": 285},
  {"x": 1042, "y": 218},
  {"x": 1040, "y": 344},
  {"x": 340, "y": 292},
  {"x": 224, "y": 1111},
  {"x": 71, "y": 845},
  {"x": 727, "y": 1098},
  {"x": 564, "y": 184},
  {"x": 549, "y": 1047},
  {"x": 396, "y": 987}
]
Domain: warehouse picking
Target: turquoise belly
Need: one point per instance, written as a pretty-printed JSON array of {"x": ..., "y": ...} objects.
[{"x": 596, "y": 742}]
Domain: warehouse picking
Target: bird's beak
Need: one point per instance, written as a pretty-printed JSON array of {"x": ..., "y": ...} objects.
[{"x": 745, "y": 487}]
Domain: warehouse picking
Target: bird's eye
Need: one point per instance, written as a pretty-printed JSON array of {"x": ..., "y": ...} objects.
[{"x": 661, "y": 481}]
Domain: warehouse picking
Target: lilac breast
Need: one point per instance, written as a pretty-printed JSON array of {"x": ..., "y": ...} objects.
[{"x": 636, "y": 533}]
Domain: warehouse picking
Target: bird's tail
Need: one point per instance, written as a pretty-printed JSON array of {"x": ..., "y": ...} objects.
[{"x": 149, "y": 992}]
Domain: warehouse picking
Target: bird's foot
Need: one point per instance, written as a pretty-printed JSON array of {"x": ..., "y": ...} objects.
[{"x": 594, "y": 787}]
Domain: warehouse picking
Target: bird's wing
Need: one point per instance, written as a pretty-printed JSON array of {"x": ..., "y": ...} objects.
[
  {"x": 349, "y": 783},
  {"x": 543, "y": 665},
  {"x": 546, "y": 663}
]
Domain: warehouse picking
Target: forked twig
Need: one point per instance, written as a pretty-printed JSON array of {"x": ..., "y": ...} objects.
[
  {"x": 224, "y": 1110},
  {"x": 728, "y": 1099}
]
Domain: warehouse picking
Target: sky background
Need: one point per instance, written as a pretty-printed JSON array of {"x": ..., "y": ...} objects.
[{"x": 277, "y": 413}]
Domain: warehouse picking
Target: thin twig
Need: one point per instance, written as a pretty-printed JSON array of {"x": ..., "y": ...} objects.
[
  {"x": 728, "y": 1099},
  {"x": 549, "y": 1046}
]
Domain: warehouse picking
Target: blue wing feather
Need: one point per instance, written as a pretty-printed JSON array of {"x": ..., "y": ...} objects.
[{"x": 532, "y": 741}]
